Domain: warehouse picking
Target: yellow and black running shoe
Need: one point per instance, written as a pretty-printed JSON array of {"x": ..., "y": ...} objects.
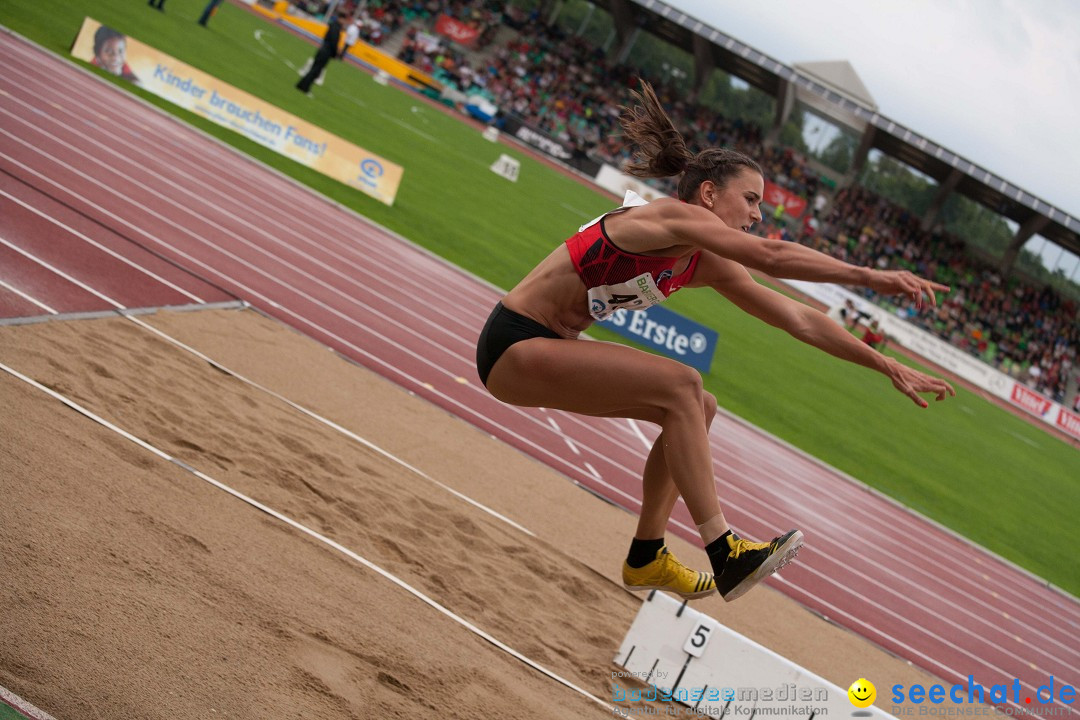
[
  {"x": 667, "y": 573},
  {"x": 749, "y": 562}
]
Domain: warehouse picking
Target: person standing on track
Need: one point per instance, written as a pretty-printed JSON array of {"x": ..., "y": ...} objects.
[{"x": 529, "y": 353}]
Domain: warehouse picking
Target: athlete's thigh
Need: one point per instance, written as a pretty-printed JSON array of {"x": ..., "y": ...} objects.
[{"x": 593, "y": 378}]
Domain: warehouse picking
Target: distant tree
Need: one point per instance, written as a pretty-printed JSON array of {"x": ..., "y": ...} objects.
[
  {"x": 840, "y": 152},
  {"x": 737, "y": 101},
  {"x": 895, "y": 181},
  {"x": 977, "y": 224}
]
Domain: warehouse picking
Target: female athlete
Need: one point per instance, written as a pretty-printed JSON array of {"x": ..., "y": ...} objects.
[{"x": 529, "y": 353}]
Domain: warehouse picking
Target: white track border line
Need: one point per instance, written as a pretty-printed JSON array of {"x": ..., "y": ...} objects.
[
  {"x": 102, "y": 248},
  {"x": 26, "y": 297},
  {"x": 317, "y": 536},
  {"x": 23, "y": 707}
]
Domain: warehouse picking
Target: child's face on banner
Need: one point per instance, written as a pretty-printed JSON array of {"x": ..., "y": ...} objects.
[{"x": 111, "y": 56}]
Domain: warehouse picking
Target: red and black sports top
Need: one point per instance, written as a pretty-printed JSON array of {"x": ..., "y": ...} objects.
[{"x": 617, "y": 279}]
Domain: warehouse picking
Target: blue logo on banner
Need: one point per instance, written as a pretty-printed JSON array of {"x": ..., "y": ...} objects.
[
  {"x": 669, "y": 333},
  {"x": 372, "y": 168}
]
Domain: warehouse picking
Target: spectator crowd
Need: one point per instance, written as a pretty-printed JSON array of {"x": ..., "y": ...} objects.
[{"x": 1028, "y": 332}]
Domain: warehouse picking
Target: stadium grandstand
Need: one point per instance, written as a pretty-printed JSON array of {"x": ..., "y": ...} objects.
[{"x": 562, "y": 68}]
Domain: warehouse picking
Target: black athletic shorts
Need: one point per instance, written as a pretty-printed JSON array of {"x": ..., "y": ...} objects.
[{"x": 503, "y": 329}]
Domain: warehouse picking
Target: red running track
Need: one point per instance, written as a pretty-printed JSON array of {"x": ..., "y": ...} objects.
[{"x": 88, "y": 173}]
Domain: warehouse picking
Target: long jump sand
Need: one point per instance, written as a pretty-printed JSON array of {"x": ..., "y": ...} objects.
[{"x": 130, "y": 588}]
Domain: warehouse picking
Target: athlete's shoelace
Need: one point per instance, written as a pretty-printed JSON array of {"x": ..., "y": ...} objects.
[
  {"x": 742, "y": 546},
  {"x": 673, "y": 569}
]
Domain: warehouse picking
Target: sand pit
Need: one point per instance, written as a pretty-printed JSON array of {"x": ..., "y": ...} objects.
[{"x": 134, "y": 589}]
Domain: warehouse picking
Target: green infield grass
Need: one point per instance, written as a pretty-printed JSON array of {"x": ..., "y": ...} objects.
[
  {"x": 9, "y": 713},
  {"x": 965, "y": 463}
]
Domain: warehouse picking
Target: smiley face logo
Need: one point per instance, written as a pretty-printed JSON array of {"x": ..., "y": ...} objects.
[{"x": 862, "y": 693}]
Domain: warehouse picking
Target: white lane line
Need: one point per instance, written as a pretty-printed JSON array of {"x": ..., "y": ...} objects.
[
  {"x": 313, "y": 534},
  {"x": 61, "y": 273},
  {"x": 561, "y": 434},
  {"x": 186, "y": 209},
  {"x": 244, "y": 168},
  {"x": 28, "y": 298},
  {"x": 872, "y": 631},
  {"x": 641, "y": 436},
  {"x": 905, "y": 524},
  {"x": 410, "y": 128},
  {"x": 580, "y": 213},
  {"x": 104, "y": 249},
  {"x": 1021, "y": 438}
]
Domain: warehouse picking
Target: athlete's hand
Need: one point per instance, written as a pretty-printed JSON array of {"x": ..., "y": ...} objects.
[
  {"x": 902, "y": 282},
  {"x": 911, "y": 382}
]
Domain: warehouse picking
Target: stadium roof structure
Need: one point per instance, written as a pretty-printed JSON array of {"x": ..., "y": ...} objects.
[
  {"x": 838, "y": 75},
  {"x": 828, "y": 87}
]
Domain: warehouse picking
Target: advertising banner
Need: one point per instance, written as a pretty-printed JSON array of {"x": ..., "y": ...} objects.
[
  {"x": 617, "y": 182},
  {"x": 1030, "y": 400},
  {"x": 456, "y": 31},
  {"x": 237, "y": 110},
  {"x": 668, "y": 333},
  {"x": 512, "y": 125},
  {"x": 1069, "y": 422},
  {"x": 776, "y": 195}
]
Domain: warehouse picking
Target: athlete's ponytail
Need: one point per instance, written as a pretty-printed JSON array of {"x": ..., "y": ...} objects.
[
  {"x": 662, "y": 152},
  {"x": 661, "y": 149}
]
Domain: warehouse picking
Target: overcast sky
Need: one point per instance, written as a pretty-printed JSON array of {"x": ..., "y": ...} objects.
[{"x": 997, "y": 81}]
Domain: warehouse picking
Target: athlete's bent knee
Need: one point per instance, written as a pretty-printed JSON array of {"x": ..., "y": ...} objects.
[
  {"x": 710, "y": 406},
  {"x": 685, "y": 387}
]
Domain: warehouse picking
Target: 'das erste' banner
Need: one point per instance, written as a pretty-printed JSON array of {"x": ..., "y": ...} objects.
[{"x": 237, "y": 110}]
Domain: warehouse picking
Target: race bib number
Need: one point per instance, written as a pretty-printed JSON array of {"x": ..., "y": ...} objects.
[{"x": 636, "y": 294}]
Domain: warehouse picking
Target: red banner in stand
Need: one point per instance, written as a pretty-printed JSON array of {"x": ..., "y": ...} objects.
[
  {"x": 456, "y": 30},
  {"x": 1030, "y": 400},
  {"x": 1069, "y": 422},
  {"x": 776, "y": 195}
]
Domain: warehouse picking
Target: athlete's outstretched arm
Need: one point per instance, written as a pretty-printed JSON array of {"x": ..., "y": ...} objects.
[
  {"x": 696, "y": 226},
  {"x": 812, "y": 327}
]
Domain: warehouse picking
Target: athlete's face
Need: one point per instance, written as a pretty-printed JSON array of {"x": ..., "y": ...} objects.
[{"x": 738, "y": 202}]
